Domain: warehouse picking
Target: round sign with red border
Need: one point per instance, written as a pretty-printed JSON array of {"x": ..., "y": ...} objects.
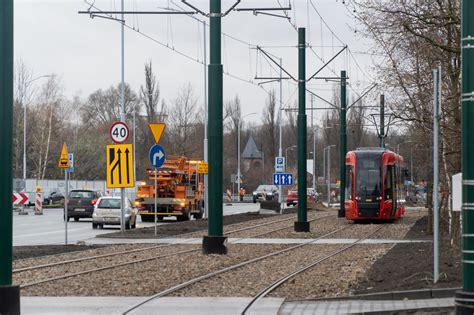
[{"x": 119, "y": 132}]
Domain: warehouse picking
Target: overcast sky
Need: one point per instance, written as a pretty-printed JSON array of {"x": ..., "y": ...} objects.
[{"x": 51, "y": 37}]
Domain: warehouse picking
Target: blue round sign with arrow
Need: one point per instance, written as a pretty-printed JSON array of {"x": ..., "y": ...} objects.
[{"x": 157, "y": 156}]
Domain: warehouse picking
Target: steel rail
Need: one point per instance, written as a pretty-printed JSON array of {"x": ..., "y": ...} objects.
[
  {"x": 139, "y": 260},
  {"x": 284, "y": 279},
  {"x": 140, "y": 249},
  {"x": 226, "y": 269}
]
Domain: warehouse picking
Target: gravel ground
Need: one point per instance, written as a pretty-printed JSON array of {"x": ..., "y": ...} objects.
[
  {"x": 48, "y": 272},
  {"x": 173, "y": 229},
  {"x": 23, "y": 252},
  {"x": 249, "y": 280},
  {"x": 153, "y": 276},
  {"x": 84, "y": 251},
  {"x": 148, "y": 278}
]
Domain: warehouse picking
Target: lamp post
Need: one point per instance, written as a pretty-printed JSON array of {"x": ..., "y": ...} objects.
[
  {"x": 238, "y": 151},
  {"x": 314, "y": 153},
  {"x": 24, "y": 127},
  {"x": 328, "y": 148}
]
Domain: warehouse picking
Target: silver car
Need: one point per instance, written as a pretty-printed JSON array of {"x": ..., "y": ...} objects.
[{"x": 107, "y": 212}]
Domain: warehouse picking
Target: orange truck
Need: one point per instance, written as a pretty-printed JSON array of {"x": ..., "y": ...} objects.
[{"x": 180, "y": 191}]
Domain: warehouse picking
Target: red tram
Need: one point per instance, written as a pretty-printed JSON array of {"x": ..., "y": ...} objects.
[{"x": 374, "y": 184}]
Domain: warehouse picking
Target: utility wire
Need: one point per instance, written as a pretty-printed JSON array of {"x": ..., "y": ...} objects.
[{"x": 173, "y": 49}]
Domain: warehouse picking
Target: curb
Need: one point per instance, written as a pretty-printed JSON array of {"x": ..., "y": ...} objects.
[{"x": 393, "y": 295}]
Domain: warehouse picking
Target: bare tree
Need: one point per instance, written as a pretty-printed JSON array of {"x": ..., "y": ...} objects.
[
  {"x": 22, "y": 97},
  {"x": 183, "y": 118},
  {"x": 150, "y": 95},
  {"x": 103, "y": 107},
  {"x": 269, "y": 127}
]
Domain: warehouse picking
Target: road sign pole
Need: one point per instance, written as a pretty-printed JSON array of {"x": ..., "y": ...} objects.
[
  {"x": 9, "y": 295},
  {"x": 122, "y": 107},
  {"x": 214, "y": 242},
  {"x": 156, "y": 201},
  {"x": 302, "y": 225},
  {"x": 66, "y": 218},
  {"x": 343, "y": 147},
  {"x": 465, "y": 298}
]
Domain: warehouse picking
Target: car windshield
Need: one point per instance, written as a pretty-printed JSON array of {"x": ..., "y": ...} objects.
[
  {"x": 85, "y": 194},
  {"x": 266, "y": 187},
  {"x": 109, "y": 203}
]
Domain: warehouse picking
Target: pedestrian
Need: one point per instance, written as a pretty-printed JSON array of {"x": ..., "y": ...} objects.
[{"x": 242, "y": 193}]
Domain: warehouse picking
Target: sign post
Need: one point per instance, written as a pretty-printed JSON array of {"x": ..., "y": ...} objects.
[
  {"x": 64, "y": 163},
  {"x": 157, "y": 158},
  {"x": 119, "y": 172},
  {"x": 119, "y": 134},
  {"x": 280, "y": 168}
]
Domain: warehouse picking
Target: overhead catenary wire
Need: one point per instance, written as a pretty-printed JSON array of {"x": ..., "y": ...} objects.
[{"x": 172, "y": 48}]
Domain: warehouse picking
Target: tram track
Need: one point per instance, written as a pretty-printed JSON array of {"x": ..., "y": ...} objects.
[
  {"x": 136, "y": 261},
  {"x": 230, "y": 268},
  {"x": 274, "y": 285},
  {"x": 147, "y": 248}
]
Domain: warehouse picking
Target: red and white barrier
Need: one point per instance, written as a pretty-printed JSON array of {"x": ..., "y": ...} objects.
[
  {"x": 19, "y": 198},
  {"x": 39, "y": 204}
]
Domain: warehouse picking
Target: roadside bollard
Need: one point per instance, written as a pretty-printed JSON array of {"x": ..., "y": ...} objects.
[{"x": 39, "y": 204}]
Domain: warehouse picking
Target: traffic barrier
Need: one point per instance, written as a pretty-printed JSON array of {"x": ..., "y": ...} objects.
[
  {"x": 19, "y": 198},
  {"x": 39, "y": 204}
]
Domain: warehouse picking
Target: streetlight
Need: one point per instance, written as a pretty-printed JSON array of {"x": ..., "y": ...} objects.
[
  {"x": 24, "y": 127},
  {"x": 238, "y": 150},
  {"x": 328, "y": 148},
  {"x": 314, "y": 152}
]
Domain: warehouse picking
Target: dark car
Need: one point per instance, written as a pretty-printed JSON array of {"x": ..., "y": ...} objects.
[
  {"x": 265, "y": 192},
  {"x": 81, "y": 203},
  {"x": 54, "y": 197}
]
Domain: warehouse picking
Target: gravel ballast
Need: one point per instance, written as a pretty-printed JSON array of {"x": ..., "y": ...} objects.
[{"x": 334, "y": 277}]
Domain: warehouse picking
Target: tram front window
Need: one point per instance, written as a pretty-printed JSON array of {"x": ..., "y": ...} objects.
[{"x": 368, "y": 179}]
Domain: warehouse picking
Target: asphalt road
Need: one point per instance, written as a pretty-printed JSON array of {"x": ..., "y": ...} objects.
[{"x": 48, "y": 228}]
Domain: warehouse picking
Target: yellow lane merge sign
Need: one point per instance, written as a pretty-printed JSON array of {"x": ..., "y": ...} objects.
[
  {"x": 203, "y": 168},
  {"x": 157, "y": 130},
  {"x": 64, "y": 158},
  {"x": 119, "y": 160}
]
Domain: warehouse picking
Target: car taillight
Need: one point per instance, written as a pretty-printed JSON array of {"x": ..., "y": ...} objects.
[{"x": 93, "y": 202}]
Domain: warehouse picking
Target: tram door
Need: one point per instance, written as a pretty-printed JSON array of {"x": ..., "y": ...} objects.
[{"x": 390, "y": 189}]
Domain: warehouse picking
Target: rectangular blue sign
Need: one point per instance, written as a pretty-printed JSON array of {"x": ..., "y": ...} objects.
[
  {"x": 71, "y": 162},
  {"x": 283, "y": 179}
]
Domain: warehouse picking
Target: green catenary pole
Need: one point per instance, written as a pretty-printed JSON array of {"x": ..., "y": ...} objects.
[
  {"x": 302, "y": 225},
  {"x": 214, "y": 243},
  {"x": 343, "y": 146},
  {"x": 9, "y": 295},
  {"x": 382, "y": 121},
  {"x": 465, "y": 298}
]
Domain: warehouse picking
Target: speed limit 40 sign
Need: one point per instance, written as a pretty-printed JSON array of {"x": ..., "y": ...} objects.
[{"x": 119, "y": 132}]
